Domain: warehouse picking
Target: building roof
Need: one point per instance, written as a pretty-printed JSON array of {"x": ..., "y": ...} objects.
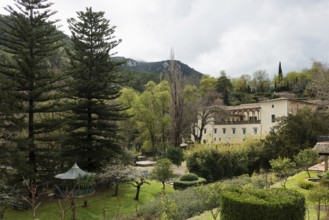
[
  {"x": 322, "y": 147},
  {"x": 72, "y": 173}
]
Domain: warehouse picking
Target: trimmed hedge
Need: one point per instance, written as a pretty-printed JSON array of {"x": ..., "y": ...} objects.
[
  {"x": 188, "y": 180},
  {"x": 189, "y": 177},
  {"x": 260, "y": 204}
]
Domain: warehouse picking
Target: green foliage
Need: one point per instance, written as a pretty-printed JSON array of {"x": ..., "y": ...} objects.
[
  {"x": 305, "y": 184},
  {"x": 175, "y": 154},
  {"x": 190, "y": 202},
  {"x": 189, "y": 177},
  {"x": 224, "y": 87},
  {"x": 151, "y": 113},
  {"x": 215, "y": 162},
  {"x": 306, "y": 158},
  {"x": 163, "y": 170},
  {"x": 30, "y": 85},
  {"x": 92, "y": 124},
  {"x": 283, "y": 167},
  {"x": 276, "y": 204},
  {"x": 188, "y": 180},
  {"x": 295, "y": 133}
]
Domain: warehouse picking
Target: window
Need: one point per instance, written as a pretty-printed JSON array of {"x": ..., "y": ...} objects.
[
  {"x": 244, "y": 130},
  {"x": 272, "y": 106},
  {"x": 215, "y": 130},
  {"x": 273, "y": 118},
  {"x": 205, "y": 131},
  {"x": 224, "y": 130},
  {"x": 214, "y": 139},
  {"x": 204, "y": 141},
  {"x": 233, "y": 130},
  {"x": 255, "y": 130}
]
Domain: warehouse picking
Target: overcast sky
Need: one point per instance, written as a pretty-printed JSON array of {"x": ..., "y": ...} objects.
[{"x": 237, "y": 36}]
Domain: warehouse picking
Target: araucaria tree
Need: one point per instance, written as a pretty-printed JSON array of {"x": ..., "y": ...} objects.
[
  {"x": 30, "y": 85},
  {"x": 95, "y": 87}
]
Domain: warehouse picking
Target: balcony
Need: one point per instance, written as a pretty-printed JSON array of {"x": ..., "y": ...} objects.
[{"x": 237, "y": 122}]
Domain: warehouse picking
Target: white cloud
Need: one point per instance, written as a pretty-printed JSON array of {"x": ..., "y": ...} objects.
[{"x": 210, "y": 35}]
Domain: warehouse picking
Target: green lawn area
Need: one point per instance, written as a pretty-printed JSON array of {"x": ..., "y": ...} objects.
[{"x": 115, "y": 207}]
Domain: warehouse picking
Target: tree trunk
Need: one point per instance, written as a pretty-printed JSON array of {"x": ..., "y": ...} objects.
[
  {"x": 319, "y": 206},
  {"x": 116, "y": 189},
  {"x": 73, "y": 209},
  {"x": 163, "y": 185},
  {"x": 137, "y": 192}
]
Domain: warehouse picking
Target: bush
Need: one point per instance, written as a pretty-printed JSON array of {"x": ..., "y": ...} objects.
[
  {"x": 216, "y": 162},
  {"x": 305, "y": 184},
  {"x": 259, "y": 204},
  {"x": 188, "y": 180},
  {"x": 189, "y": 177},
  {"x": 190, "y": 202},
  {"x": 175, "y": 154}
]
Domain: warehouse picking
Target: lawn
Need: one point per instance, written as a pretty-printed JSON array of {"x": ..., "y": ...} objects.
[{"x": 101, "y": 206}]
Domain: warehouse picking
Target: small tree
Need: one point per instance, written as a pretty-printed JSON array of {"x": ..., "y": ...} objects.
[
  {"x": 113, "y": 174},
  {"x": 33, "y": 198},
  {"x": 138, "y": 184},
  {"x": 210, "y": 196},
  {"x": 320, "y": 195},
  {"x": 306, "y": 158},
  {"x": 282, "y": 167},
  {"x": 163, "y": 171}
]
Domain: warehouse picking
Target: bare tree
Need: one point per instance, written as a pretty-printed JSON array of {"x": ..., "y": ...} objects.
[
  {"x": 320, "y": 82},
  {"x": 206, "y": 112},
  {"x": 176, "y": 83},
  {"x": 33, "y": 198},
  {"x": 138, "y": 184}
]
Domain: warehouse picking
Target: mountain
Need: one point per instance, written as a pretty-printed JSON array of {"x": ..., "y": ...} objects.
[{"x": 146, "y": 71}]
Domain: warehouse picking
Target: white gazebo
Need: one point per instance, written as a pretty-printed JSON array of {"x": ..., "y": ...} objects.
[
  {"x": 72, "y": 173},
  {"x": 68, "y": 183}
]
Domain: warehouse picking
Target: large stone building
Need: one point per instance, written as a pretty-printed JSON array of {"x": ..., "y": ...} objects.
[{"x": 236, "y": 123}]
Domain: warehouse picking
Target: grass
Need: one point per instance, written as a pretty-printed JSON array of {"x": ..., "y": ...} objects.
[{"x": 101, "y": 206}]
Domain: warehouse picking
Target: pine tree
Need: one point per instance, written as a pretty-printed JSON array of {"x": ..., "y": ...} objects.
[
  {"x": 95, "y": 87},
  {"x": 30, "y": 84}
]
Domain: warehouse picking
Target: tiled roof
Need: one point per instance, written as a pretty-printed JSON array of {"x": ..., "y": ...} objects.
[{"x": 322, "y": 147}]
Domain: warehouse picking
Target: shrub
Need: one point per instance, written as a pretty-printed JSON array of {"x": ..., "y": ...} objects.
[
  {"x": 305, "y": 184},
  {"x": 259, "y": 204},
  {"x": 189, "y": 177},
  {"x": 175, "y": 154},
  {"x": 215, "y": 162},
  {"x": 188, "y": 180},
  {"x": 190, "y": 202}
]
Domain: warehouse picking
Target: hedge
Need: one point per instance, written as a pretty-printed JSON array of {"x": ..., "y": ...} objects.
[
  {"x": 189, "y": 177},
  {"x": 188, "y": 180},
  {"x": 260, "y": 204}
]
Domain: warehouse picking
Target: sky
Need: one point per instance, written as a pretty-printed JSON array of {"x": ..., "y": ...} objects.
[{"x": 237, "y": 36}]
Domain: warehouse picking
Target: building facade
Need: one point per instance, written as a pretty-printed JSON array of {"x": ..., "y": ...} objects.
[{"x": 250, "y": 120}]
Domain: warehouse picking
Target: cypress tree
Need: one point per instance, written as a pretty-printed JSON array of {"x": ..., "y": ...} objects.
[
  {"x": 95, "y": 86},
  {"x": 280, "y": 72},
  {"x": 30, "y": 85}
]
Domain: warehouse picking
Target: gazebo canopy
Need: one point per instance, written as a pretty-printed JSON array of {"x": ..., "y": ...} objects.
[
  {"x": 322, "y": 148},
  {"x": 72, "y": 173}
]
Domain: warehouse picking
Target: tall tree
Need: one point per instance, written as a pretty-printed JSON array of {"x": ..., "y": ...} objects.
[
  {"x": 30, "y": 38},
  {"x": 151, "y": 112},
  {"x": 176, "y": 83},
  {"x": 224, "y": 87},
  {"x": 95, "y": 87},
  {"x": 261, "y": 82}
]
